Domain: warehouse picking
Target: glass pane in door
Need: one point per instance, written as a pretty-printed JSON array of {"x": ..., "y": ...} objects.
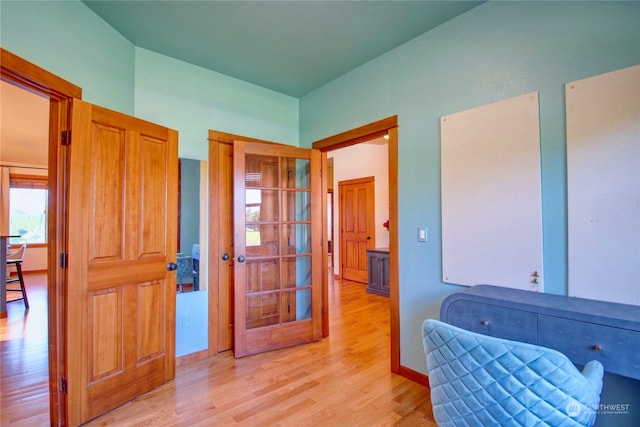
[
  {"x": 296, "y": 239},
  {"x": 262, "y": 310},
  {"x": 295, "y": 173},
  {"x": 261, "y": 205},
  {"x": 297, "y": 272},
  {"x": 277, "y": 240},
  {"x": 261, "y": 171},
  {"x": 296, "y": 206},
  {"x": 296, "y": 305}
]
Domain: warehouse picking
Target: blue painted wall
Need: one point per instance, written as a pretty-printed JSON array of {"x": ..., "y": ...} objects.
[
  {"x": 191, "y": 322},
  {"x": 493, "y": 52},
  {"x": 69, "y": 40},
  {"x": 194, "y": 100}
]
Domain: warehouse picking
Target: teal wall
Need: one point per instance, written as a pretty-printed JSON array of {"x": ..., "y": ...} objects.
[
  {"x": 493, "y": 52},
  {"x": 69, "y": 40},
  {"x": 194, "y": 100}
]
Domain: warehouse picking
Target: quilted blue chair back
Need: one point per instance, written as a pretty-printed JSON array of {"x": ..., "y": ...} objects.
[{"x": 478, "y": 380}]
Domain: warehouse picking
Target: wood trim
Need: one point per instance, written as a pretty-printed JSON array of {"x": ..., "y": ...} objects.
[
  {"x": 60, "y": 92},
  {"x": 214, "y": 205},
  {"x": 363, "y": 133},
  {"x": 215, "y": 138},
  {"x": 38, "y": 271},
  {"x": 325, "y": 248},
  {"x": 394, "y": 251},
  {"x": 29, "y": 245},
  {"x": 219, "y": 136},
  {"x": 59, "y": 120},
  {"x": 357, "y": 135},
  {"x": 35, "y": 79},
  {"x": 179, "y": 203},
  {"x": 362, "y": 180},
  {"x": 24, "y": 177},
  {"x": 188, "y": 359},
  {"x": 414, "y": 376}
]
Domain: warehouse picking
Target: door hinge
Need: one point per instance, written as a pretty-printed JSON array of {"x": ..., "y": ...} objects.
[
  {"x": 63, "y": 385},
  {"x": 64, "y": 259},
  {"x": 66, "y": 137}
]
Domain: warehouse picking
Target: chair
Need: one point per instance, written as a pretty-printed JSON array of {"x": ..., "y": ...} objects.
[
  {"x": 478, "y": 380},
  {"x": 195, "y": 255},
  {"x": 185, "y": 271},
  {"x": 15, "y": 259}
]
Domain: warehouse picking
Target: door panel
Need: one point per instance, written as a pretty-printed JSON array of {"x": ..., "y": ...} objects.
[
  {"x": 224, "y": 243},
  {"x": 122, "y": 233},
  {"x": 357, "y": 226},
  {"x": 278, "y": 246}
]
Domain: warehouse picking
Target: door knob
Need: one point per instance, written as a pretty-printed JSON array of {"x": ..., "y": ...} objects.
[
  {"x": 240, "y": 258},
  {"x": 225, "y": 256},
  {"x": 172, "y": 266}
]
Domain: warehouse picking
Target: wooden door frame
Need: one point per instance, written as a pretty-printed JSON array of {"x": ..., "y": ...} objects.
[
  {"x": 387, "y": 126},
  {"x": 370, "y": 219},
  {"x": 331, "y": 216},
  {"x": 60, "y": 92},
  {"x": 215, "y": 138}
]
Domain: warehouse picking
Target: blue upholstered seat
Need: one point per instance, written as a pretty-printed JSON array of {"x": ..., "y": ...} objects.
[{"x": 478, "y": 380}]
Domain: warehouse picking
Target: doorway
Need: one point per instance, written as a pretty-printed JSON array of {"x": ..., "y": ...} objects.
[
  {"x": 24, "y": 161},
  {"x": 221, "y": 242},
  {"x": 369, "y": 132},
  {"x": 59, "y": 92}
]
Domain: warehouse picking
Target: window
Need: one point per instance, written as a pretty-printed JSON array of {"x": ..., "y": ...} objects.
[
  {"x": 28, "y": 209},
  {"x": 253, "y": 203}
]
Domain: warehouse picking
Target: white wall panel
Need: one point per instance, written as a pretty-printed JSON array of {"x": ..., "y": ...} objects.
[
  {"x": 491, "y": 195},
  {"x": 603, "y": 181}
]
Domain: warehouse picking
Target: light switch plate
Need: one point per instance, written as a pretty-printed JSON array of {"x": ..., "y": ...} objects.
[{"x": 422, "y": 234}]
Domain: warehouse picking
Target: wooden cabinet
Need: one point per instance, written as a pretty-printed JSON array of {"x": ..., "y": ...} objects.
[
  {"x": 378, "y": 271},
  {"x": 582, "y": 329}
]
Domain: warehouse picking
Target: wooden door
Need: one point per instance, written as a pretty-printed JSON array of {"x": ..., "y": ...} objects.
[
  {"x": 225, "y": 252},
  {"x": 278, "y": 246},
  {"x": 357, "y": 233},
  {"x": 122, "y": 232}
]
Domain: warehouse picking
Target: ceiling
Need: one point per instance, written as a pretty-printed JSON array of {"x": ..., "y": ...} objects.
[
  {"x": 24, "y": 127},
  {"x": 292, "y": 47}
]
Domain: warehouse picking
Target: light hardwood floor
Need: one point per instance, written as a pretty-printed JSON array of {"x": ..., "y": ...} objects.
[{"x": 343, "y": 380}]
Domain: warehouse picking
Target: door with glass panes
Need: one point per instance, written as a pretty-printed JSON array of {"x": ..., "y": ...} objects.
[{"x": 278, "y": 246}]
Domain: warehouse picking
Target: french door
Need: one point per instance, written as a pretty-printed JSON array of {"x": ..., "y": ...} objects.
[{"x": 277, "y": 245}]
